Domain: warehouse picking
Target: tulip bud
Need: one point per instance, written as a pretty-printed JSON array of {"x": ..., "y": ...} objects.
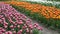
[
  {"x": 11, "y": 26},
  {"x": 18, "y": 26},
  {"x": 5, "y": 26},
  {"x": 14, "y": 32},
  {"x": 27, "y": 30}
]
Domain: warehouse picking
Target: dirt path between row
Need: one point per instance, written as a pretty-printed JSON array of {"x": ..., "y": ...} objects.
[{"x": 46, "y": 30}]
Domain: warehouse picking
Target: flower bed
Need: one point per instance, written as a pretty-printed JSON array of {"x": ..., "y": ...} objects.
[
  {"x": 48, "y": 12},
  {"x": 51, "y": 23},
  {"x": 13, "y": 22}
]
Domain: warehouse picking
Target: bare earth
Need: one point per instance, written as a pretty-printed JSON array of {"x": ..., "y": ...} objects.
[{"x": 47, "y": 31}]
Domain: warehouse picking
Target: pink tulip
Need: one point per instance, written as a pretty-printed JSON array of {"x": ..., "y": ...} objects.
[
  {"x": 5, "y": 26},
  {"x": 19, "y": 32},
  {"x": 24, "y": 27},
  {"x": 24, "y": 17},
  {"x": 3, "y": 19},
  {"x": 30, "y": 26},
  {"x": 20, "y": 22},
  {"x": 34, "y": 26},
  {"x": 14, "y": 26},
  {"x": 14, "y": 32},
  {"x": 39, "y": 28},
  {"x": 1, "y": 16},
  {"x": 8, "y": 32},
  {"x": 11, "y": 26},
  {"x": 18, "y": 26},
  {"x": 27, "y": 30},
  {"x": 3, "y": 30},
  {"x": 5, "y": 23},
  {"x": 0, "y": 21}
]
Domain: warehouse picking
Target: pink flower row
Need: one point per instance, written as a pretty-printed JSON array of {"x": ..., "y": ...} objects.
[{"x": 15, "y": 20}]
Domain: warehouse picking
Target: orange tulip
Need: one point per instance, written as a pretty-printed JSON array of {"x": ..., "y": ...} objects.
[{"x": 48, "y": 12}]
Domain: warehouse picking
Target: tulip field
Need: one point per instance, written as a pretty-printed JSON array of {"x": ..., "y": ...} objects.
[
  {"x": 17, "y": 17},
  {"x": 48, "y": 15},
  {"x": 13, "y": 22}
]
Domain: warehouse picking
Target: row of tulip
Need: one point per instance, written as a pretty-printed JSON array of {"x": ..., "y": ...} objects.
[
  {"x": 48, "y": 12},
  {"x": 13, "y": 22},
  {"x": 51, "y": 23}
]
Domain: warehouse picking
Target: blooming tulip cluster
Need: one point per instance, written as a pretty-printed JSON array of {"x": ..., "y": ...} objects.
[
  {"x": 48, "y": 12},
  {"x": 13, "y": 22}
]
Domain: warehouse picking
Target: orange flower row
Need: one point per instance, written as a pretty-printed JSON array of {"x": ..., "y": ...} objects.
[{"x": 48, "y": 12}]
